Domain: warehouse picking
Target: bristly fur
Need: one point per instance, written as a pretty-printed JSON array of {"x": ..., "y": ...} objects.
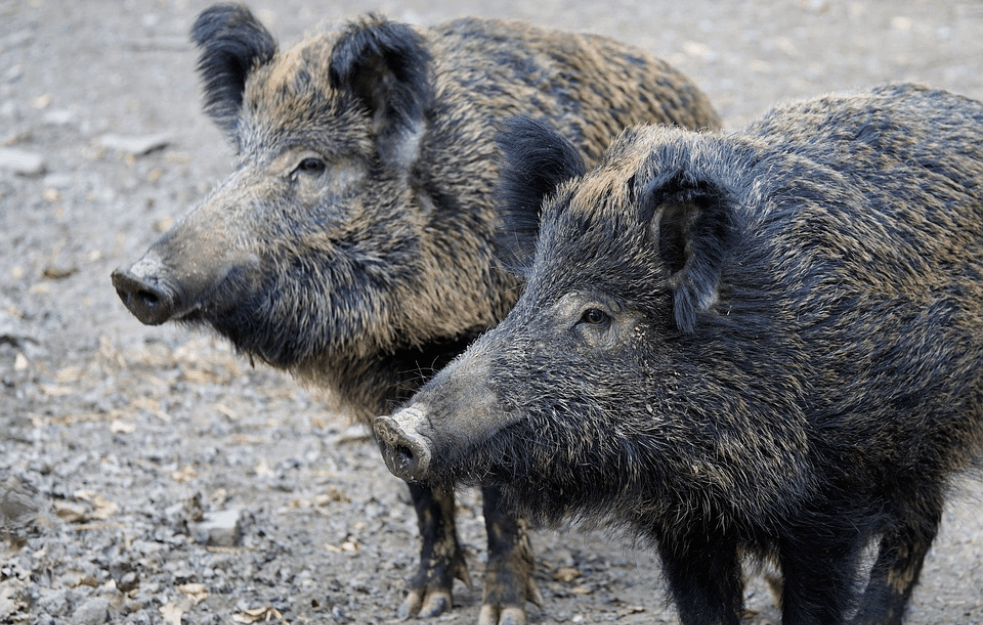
[
  {"x": 537, "y": 160},
  {"x": 233, "y": 44},
  {"x": 697, "y": 229},
  {"x": 386, "y": 67},
  {"x": 817, "y": 393}
]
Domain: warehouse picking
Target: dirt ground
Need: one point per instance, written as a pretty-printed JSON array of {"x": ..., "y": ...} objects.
[{"x": 149, "y": 475}]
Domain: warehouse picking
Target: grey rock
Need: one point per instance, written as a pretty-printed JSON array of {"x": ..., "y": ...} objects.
[
  {"x": 137, "y": 145},
  {"x": 21, "y": 162},
  {"x": 56, "y": 601},
  {"x": 220, "y": 529},
  {"x": 94, "y": 611}
]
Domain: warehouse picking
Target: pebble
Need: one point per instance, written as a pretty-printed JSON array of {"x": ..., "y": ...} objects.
[
  {"x": 136, "y": 145},
  {"x": 220, "y": 529},
  {"x": 94, "y": 611},
  {"x": 21, "y": 162},
  {"x": 55, "y": 600}
]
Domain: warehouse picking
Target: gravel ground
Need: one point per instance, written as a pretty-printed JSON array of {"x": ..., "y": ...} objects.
[{"x": 149, "y": 475}]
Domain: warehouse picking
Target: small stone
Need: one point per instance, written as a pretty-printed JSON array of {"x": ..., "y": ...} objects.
[
  {"x": 59, "y": 117},
  {"x": 95, "y": 611},
  {"x": 42, "y": 101},
  {"x": 220, "y": 529},
  {"x": 135, "y": 145},
  {"x": 21, "y": 162},
  {"x": 18, "y": 502},
  {"x": 55, "y": 601}
]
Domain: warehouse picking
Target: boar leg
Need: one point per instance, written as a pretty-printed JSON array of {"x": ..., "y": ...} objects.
[
  {"x": 705, "y": 578},
  {"x": 509, "y": 579},
  {"x": 899, "y": 562},
  {"x": 441, "y": 556},
  {"x": 819, "y": 566}
]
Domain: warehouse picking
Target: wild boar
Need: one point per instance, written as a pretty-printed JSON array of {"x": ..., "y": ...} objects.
[
  {"x": 764, "y": 343},
  {"x": 354, "y": 244}
]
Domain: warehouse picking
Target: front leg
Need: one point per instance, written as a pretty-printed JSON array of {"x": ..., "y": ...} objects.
[
  {"x": 819, "y": 566},
  {"x": 705, "y": 578},
  {"x": 441, "y": 557},
  {"x": 509, "y": 582}
]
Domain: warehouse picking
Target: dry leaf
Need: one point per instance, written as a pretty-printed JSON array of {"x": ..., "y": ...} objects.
[
  {"x": 104, "y": 508},
  {"x": 567, "y": 575},
  {"x": 68, "y": 511},
  {"x": 332, "y": 495},
  {"x": 122, "y": 427},
  {"x": 56, "y": 391},
  {"x": 196, "y": 592},
  {"x": 247, "y": 439},
  {"x": 258, "y": 615},
  {"x": 350, "y": 546},
  {"x": 184, "y": 475},
  {"x": 171, "y": 613},
  {"x": 633, "y": 609},
  {"x": 52, "y": 272},
  {"x": 262, "y": 469},
  {"x": 225, "y": 411},
  {"x": 68, "y": 375}
]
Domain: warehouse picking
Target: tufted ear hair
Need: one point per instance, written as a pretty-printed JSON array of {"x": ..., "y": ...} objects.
[
  {"x": 693, "y": 224},
  {"x": 232, "y": 44},
  {"x": 386, "y": 67},
  {"x": 537, "y": 159}
]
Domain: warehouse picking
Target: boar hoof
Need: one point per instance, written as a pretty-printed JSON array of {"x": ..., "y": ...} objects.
[
  {"x": 511, "y": 615},
  {"x": 406, "y": 454}
]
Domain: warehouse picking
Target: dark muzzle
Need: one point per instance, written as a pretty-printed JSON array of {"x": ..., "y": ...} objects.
[{"x": 149, "y": 301}]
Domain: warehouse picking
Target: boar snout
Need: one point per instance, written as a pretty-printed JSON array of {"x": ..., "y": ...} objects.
[
  {"x": 406, "y": 452},
  {"x": 150, "y": 300}
]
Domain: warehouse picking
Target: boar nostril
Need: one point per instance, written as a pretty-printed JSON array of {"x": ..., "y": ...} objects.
[
  {"x": 406, "y": 454},
  {"x": 403, "y": 456},
  {"x": 149, "y": 301}
]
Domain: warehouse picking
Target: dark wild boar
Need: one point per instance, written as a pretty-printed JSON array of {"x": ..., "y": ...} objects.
[
  {"x": 766, "y": 343},
  {"x": 354, "y": 243}
]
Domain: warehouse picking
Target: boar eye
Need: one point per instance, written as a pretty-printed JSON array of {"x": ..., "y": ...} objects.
[
  {"x": 311, "y": 165},
  {"x": 595, "y": 316}
]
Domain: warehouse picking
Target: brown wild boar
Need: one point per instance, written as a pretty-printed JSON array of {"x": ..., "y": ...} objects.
[{"x": 354, "y": 243}]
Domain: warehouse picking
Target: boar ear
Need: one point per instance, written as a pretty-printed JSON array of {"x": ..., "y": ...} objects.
[
  {"x": 386, "y": 67},
  {"x": 693, "y": 224},
  {"x": 232, "y": 44},
  {"x": 537, "y": 159}
]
